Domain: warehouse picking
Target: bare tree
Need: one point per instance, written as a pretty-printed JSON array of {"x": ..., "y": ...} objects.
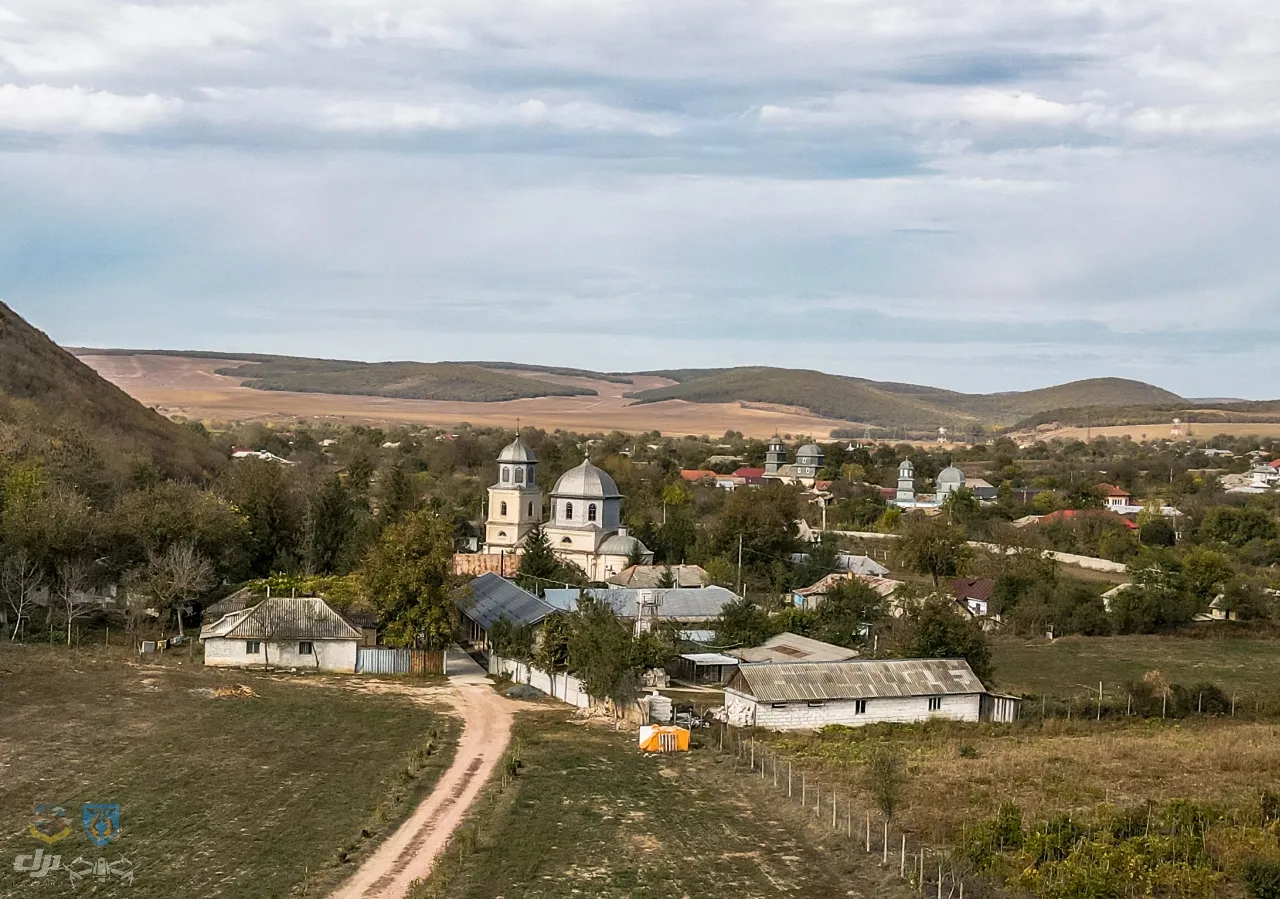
[
  {"x": 174, "y": 577},
  {"x": 72, "y": 580},
  {"x": 20, "y": 579}
]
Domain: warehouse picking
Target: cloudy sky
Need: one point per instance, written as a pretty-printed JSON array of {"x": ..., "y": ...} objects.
[{"x": 1021, "y": 193}]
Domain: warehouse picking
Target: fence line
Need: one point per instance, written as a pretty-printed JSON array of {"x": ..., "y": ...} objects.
[{"x": 948, "y": 881}]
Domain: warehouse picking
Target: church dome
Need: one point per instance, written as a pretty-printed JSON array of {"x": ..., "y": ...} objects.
[
  {"x": 623, "y": 545},
  {"x": 586, "y": 482},
  {"x": 906, "y": 469},
  {"x": 517, "y": 451},
  {"x": 809, "y": 449},
  {"x": 952, "y": 476}
]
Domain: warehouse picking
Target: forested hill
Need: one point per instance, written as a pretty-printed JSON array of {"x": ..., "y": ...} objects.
[
  {"x": 889, "y": 404},
  {"x": 57, "y": 410}
]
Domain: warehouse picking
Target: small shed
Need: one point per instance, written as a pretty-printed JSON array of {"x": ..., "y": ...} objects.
[
  {"x": 705, "y": 668},
  {"x": 789, "y": 647}
]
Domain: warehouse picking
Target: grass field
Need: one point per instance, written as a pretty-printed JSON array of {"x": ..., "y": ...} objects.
[
  {"x": 1071, "y": 665},
  {"x": 588, "y": 815},
  {"x": 249, "y": 795}
]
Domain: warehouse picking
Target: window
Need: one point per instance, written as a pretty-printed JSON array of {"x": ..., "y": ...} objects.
[
  {"x": 502, "y": 510},
  {"x": 506, "y": 474},
  {"x": 252, "y": 647},
  {"x": 568, "y": 511},
  {"x": 305, "y": 649},
  {"x": 778, "y": 705},
  {"x": 816, "y": 703},
  {"x": 860, "y": 707},
  {"x": 567, "y": 540},
  {"x": 519, "y": 475},
  {"x": 530, "y": 510},
  {"x": 591, "y": 512},
  {"x": 935, "y": 703}
]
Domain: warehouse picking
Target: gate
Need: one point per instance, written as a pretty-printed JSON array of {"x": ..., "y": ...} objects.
[{"x": 386, "y": 660}]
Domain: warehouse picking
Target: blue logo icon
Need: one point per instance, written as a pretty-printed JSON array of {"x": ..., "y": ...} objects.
[{"x": 101, "y": 823}]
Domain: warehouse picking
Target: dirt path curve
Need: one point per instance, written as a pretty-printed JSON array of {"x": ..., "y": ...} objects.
[{"x": 410, "y": 852}]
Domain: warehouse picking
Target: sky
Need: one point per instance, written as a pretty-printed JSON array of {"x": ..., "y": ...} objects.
[{"x": 987, "y": 196}]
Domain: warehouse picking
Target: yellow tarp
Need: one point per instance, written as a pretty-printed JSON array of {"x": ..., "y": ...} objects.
[{"x": 656, "y": 738}]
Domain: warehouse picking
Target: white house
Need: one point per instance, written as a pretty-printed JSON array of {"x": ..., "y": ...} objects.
[
  {"x": 285, "y": 632},
  {"x": 812, "y": 695}
]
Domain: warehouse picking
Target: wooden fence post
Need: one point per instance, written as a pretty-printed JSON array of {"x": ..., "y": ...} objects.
[
  {"x": 789, "y": 791},
  {"x": 884, "y": 859},
  {"x": 902, "y": 864},
  {"x": 868, "y": 833}
]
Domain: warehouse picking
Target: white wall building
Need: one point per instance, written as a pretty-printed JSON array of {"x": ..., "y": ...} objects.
[
  {"x": 284, "y": 633},
  {"x": 811, "y": 695}
]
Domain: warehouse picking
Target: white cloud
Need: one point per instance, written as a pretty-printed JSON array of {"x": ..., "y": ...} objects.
[
  {"x": 42, "y": 108},
  {"x": 382, "y": 116}
]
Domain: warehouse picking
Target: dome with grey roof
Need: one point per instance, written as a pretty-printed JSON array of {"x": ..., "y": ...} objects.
[
  {"x": 809, "y": 449},
  {"x": 586, "y": 482},
  {"x": 953, "y": 476},
  {"x": 623, "y": 545},
  {"x": 517, "y": 451}
]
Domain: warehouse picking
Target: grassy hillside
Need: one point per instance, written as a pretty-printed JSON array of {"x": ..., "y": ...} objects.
[
  {"x": 893, "y": 404},
  {"x": 449, "y": 381},
  {"x": 1161, "y": 413},
  {"x": 57, "y": 410},
  {"x": 611, "y": 377}
]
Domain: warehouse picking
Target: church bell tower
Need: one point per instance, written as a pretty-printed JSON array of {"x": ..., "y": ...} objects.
[{"x": 515, "y": 501}]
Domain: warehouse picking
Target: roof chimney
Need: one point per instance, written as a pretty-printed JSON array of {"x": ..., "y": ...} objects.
[{"x": 622, "y": 532}]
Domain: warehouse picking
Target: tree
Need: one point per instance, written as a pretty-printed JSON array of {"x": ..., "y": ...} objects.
[
  {"x": 935, "y": 629},
  {"x": 932, "y": 547},
  {"x": 667, "y": 579},
  {"x": 175, "y": 577},
  {"x": 845, "y": 614},
  {"x": 551, "y": 652},
  {"x": 600, "y": 652},
  {"x": 20, "y": 580},
  {"x": 962, "y": 507},
  {"x": 328, "y": 527},
  {"x": 407, "y": 576},
  {"x": 72, "y": 579},
  {"x": 1206, "y": 573},
  {"x": 1157, "y": 532},
  {"x": 541, "y": 567},
  {"x": 512, "y": 641},
  {"x": 264, "y": 494},
  {"x": 1237, "y": 527},
  {"x": 743, "y": 623},
  {"x": 397, "y": 496},
  {"x": 886, "y": 777}
]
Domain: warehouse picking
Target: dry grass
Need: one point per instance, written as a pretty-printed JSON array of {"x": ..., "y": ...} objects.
[
  {"x": 190, "y": 387},
  {"x": 231, "y": 783},
  {"x": 1056, "y": 768}
]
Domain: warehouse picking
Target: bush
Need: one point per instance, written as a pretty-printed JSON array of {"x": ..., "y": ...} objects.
[{"x": 1263, "y": 879}]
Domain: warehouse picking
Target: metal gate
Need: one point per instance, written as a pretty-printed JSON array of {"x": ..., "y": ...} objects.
[{"x": 386, "y": 660}]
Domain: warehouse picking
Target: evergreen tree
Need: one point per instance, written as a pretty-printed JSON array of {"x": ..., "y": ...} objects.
[
  {"x": 541, "y": 568},
  {"x": 408, "y": 576}
]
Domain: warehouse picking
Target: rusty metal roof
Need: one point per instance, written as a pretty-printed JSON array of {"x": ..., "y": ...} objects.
[
  {"x": 280, "y": 618},
  {"x": 857, "y": 679}
]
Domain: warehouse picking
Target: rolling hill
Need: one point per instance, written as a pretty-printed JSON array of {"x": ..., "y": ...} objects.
[
  {"x": 57, "y": 410},
  {"x": 889, "y": 404},
  {"x": 473, "y": 382}
]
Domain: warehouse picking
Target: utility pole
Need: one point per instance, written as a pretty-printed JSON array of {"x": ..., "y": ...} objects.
[{"x": 739, "y": 590}]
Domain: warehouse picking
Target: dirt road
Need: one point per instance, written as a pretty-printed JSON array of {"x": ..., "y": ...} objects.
[{"x": 409, "y": 853}]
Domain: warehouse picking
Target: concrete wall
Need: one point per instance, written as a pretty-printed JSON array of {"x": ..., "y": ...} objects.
[
  {"x": 560, "y": 686},
  {"x": 744, "y": 711},
  {"x": 332, "y": 655}
]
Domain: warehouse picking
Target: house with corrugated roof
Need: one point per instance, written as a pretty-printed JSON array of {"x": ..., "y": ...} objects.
[
  {"x": 789, "y": 647},
  {"x": 652, "y": 576},
  {"x": 488, "y": 599},
  {"x": 290, "y": 632},
  {"x": 648, "y": 607},
  {"x": 813, "y": 695}
]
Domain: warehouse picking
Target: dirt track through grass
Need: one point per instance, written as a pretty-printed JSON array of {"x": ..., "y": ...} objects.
[
  {"x": 589, "y": 815},
  {"x": 244, "y": 796}
]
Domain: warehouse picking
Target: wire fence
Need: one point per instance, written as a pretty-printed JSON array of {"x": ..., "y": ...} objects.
[{"x": 931, "y": 870}]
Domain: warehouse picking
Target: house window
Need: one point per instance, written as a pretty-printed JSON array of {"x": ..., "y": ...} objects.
[
  {"x": 591, "y": 512},
  {"x": 778, "y": 705},
  {"x": 530, "y": 510},
  {"x": 305, "y": 649},
  {"x": 567, "y": 540},
  {"x": 860, "y": 707},
  {"x": 816, "y": 703},
  {"x": 506, "y": 474},
  {"x": 519, "y": 475},
  {"x": 252, "y": 647},
  {"x": 503, "y": 510},
  {"x": 568, "y": 511},
  {"x": 935, "y": 703}
]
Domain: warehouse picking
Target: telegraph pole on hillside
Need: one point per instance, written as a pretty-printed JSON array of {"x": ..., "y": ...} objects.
[{"x": 739, "y": 590}]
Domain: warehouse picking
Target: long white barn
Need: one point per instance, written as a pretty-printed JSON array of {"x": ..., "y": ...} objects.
[{"x": 811, "y": 695}]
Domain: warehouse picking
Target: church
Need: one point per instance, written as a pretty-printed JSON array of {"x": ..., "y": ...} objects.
[{"x": 586, "y": 514}]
